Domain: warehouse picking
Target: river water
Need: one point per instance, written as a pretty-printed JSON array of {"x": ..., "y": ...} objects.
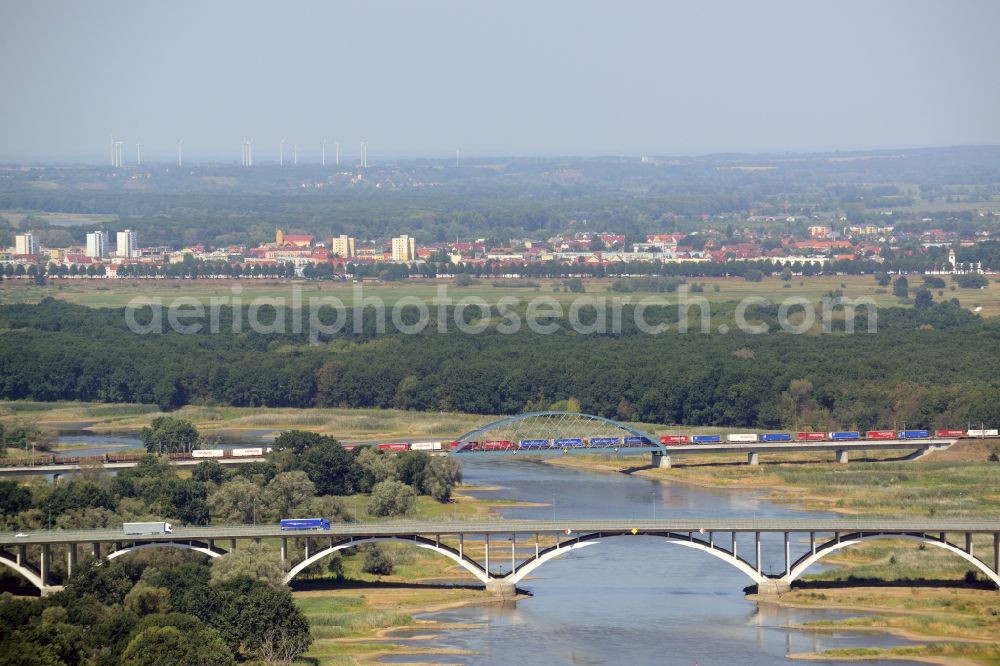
[{"x": 631, "y": 600}]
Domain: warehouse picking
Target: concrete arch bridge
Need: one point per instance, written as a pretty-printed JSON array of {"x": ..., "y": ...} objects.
[{"x": 501, "y": 554}]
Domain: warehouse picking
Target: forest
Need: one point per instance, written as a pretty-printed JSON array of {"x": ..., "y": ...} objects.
[{"x": 929, "y": 366}]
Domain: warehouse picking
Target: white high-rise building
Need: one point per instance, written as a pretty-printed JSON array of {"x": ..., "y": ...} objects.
[
  {"x": 97, "y": 244},
  {"x": 128, "y": 244},
  {"x": 25, "y": 244},
  {"x": 404, "y": 248}
]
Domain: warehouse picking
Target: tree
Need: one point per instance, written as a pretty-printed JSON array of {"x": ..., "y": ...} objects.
[
  {"x": 255, "y": 561},
  {"x": 391, "y": 498},
  {"x": 288, "y": 493},
  {"x": 239, "y": 501},
  {"x": 375, "y": 466},
  {"x": 281, "y": 646},
  {"x": 108, "y": 582},
  {"x": 377, "y": 560},
  {"x": 14, "y": 498},
  {"x": 923, "y": 299},
  {"x": 209, "y": 470},
  {"x": 442, "y": 474},
  {"x": 330, "y": 467},
  {"x": 169, "y": 646},
  {"x": 330, "y": 507},
  {"x": 252, "y": 608},
  {"x": 168, "y": 434},
  {"x": 753, "y": 275},
  {"x": 786, "y": 275},
  {"x": 144, "y": 599},
  {"x": 882, "y": 279},
  {"x": 901, "y": 287},
  {"x": 298, "y": 441},
  {"x": 972, "y": 281}
]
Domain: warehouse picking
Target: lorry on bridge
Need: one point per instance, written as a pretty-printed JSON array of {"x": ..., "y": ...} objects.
[
  {"x": 305, "y": 524},
  {"x": 146, "y": 529}
]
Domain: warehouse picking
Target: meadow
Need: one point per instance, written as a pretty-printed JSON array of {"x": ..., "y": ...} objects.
[{"x": 112, "y": 293}]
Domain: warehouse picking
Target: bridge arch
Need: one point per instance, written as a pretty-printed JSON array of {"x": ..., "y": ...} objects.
[
  {"x": 806, "y": 561},
  {"x": 559, "y": 550},
  {"x": 468, "y": 564},
  {"x": 29, "y": 573},
  {"x": 542, "y": 425},
  {"x": 197, "y": 547}
]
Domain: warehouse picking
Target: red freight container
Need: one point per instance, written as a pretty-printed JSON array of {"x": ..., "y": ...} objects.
[
  {"x": 394, "y": 447},
  {"x": 500, "y": 445},
  {"x": 880, "y": 434},
  {"x": 810, "y": 436},
  {"x": 949, "y": 433},
  {"x": 674, "y": 439}
]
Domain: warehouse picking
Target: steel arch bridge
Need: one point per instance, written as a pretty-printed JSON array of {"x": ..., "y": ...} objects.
[{"x": 554, "y": 432}]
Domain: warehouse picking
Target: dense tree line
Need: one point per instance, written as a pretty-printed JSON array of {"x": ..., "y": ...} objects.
[
  {"x": 173, "y": 615},
  {"x": 926, "y": 365}
]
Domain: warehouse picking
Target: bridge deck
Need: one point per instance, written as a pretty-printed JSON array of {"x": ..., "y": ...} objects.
[{"x": 507, "y": 527}]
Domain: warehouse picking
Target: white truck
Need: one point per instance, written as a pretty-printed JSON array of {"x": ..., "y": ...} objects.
[{"x": 146, "y": 529}]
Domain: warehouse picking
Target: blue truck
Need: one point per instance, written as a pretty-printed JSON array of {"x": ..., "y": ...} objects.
[{"x": 305, "y": 524}]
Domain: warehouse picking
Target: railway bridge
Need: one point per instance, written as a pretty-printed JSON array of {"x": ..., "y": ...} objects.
[{"x": 500, "y": 554}]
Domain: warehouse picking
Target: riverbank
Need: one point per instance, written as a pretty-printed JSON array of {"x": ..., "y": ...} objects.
[{"x": 907, "y": 590}]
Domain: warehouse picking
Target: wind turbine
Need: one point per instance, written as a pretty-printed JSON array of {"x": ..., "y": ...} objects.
[
  {"x": 281, "y": 153},
  {"x": 138, "y": 154},
  {"x": 180, "y": 147},
  {"x": 295, "y": 154},
  {"x": 337, "y": 154},
  {"x": 323, "y": 152}
]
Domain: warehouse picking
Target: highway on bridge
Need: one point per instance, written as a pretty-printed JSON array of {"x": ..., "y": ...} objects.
[
  {"x": 507, "y": 527},
  {"x": 525, "y": 544}
]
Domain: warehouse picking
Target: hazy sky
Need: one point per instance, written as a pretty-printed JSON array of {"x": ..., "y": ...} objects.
[{"x": 507, "y": 77}]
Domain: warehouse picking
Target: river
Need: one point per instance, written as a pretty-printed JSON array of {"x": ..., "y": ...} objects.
[{"x": 637, "y": 600}]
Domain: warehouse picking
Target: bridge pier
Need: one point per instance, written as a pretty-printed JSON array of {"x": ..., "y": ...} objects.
[
  {"x": 70, "y": 559},
  {"x": 773, "y": 587},
  {"x": 842, "y": 456},
  {"x": 284, "y": 548},
  {"x": 501, "y": 588},
  {"x": 753, "y": 458},
  {"x": 43, "y": 568},
  {"x": 659, "y": 460}
]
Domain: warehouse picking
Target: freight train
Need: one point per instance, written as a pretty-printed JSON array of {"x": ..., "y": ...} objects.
[
  {"x": 732, "y": 438},
  {"x": 197, "y": 454},
  {"x": 835, "y": 436}
]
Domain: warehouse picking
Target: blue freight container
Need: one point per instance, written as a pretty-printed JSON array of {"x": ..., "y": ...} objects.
[
  {"x": 637, "y": 441},
  {"x": 604, "y": 441},
  {"x": 534, "y": 443},
  {"x": 845, "y": 435},
  {"x": 914, "y": 434},
  {"x": 776, "y": 437},
  {"x": 567, "y": 442},
  {"x": 706, "y": 439}
]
